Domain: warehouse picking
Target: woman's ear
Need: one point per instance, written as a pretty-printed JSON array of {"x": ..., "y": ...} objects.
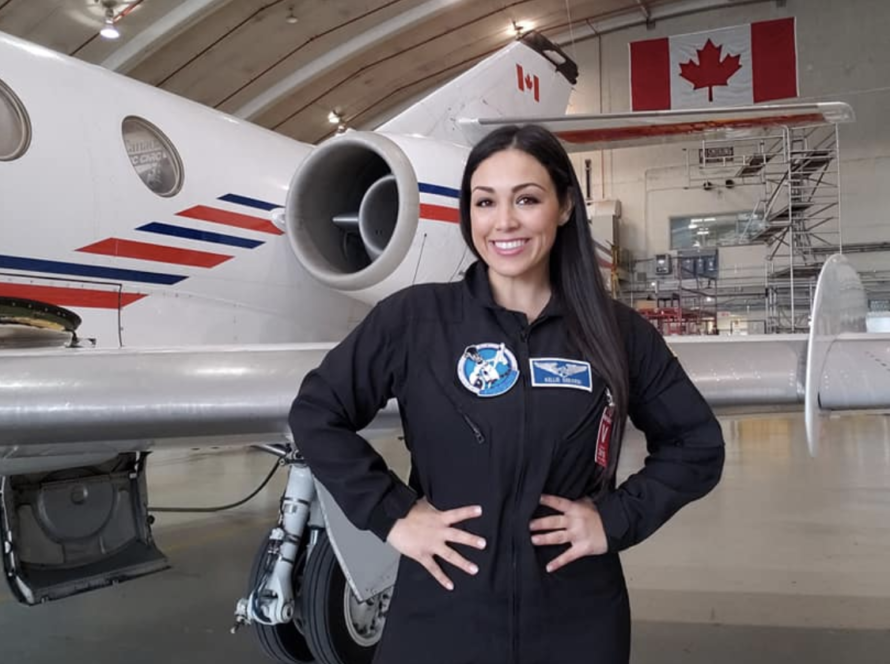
[
  {"x": 567, "y": 208},
  {"x": 566, "y": 213}
]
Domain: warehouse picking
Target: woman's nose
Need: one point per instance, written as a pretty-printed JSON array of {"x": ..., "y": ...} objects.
[{"x": 506, "y": 218}]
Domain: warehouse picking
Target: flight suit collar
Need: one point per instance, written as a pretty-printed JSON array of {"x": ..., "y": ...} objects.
[{"x": 479, "y": 288}]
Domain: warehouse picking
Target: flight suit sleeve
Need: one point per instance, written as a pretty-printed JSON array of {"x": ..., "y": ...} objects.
[
  {"x": 683, "y": 439},
  {"x": 340, "y": 398}
]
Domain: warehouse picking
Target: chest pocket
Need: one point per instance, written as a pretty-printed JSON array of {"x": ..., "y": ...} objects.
[
  {"x": 451, "y": 441},
  {"x": 573, "y": 470},
  {"x": 586, "y": 425},
  {"x": 453, "y": 396}
]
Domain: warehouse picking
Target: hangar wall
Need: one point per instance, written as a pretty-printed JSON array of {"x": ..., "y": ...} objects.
[{"x": 843, "y": 55}]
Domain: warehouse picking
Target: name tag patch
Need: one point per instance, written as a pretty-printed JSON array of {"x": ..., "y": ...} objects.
[{"x": 561, "y": 372}]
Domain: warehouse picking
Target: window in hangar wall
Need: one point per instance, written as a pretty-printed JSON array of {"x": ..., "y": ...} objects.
[
  {"x": 152, "y": 156},
  {"x": 712, "y": 230},
  {"x": 15, "y": 127}
]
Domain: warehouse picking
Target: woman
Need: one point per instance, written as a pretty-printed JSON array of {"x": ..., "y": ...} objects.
[{"x": 513, "y": 387}]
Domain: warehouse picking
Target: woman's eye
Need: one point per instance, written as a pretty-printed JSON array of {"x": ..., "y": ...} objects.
[
  {"x": 482, "y": 202},
  {"x": 526, "y": 200}
]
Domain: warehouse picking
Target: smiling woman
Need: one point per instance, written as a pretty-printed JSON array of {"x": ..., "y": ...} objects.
[
  {"x": 516, "y": 212},
  {"x": 513, "y": 385}
]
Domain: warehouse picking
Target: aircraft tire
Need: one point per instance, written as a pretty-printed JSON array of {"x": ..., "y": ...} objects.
[
  {"x": 339, "y": 629},
  {"x": 282, "y": 643}
]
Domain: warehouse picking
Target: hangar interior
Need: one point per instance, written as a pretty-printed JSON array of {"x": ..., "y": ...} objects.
[
  {"x": 836, "y": 202},
  {"x": 787, "y": 559}
]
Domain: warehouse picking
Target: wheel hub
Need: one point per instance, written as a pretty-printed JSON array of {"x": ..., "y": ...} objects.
[{"x": 365, "y": 620}]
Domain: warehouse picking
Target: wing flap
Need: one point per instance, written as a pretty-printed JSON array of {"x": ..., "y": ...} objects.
[{"x": 581, "y": 133}]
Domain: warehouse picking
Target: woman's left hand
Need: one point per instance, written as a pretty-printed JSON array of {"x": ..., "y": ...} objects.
[{"x": 579, "y": 525}]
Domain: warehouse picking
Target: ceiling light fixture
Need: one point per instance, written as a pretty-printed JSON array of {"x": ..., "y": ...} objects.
[
  {"x": 291, "y": 18},
  {"x": 335, "y": 117},
  {"x": 109, "y": 31},
  {"x": 515, "y": 29}
]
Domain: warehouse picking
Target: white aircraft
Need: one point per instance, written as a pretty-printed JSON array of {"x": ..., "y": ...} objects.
[{"x": 168, "y": 275}]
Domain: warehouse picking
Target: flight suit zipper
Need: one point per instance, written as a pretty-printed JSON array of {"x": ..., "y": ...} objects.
[
  {"x": 477, "y": 432},
  {"x": 524, "y": 354},
  {"x": 480, "y": 437}
]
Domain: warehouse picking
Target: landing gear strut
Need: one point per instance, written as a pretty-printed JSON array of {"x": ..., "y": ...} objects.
[{"x": 300, "y": 606}]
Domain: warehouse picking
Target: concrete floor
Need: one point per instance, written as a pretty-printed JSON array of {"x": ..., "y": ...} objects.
[{"x": 786, "y": 561}]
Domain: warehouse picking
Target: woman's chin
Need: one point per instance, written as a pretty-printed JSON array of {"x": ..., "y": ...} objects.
[{"x": 512, "y": 268}]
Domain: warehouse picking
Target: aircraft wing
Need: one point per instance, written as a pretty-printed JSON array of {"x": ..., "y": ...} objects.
[
  {"x": 70, "y": 407},
  {"x": 581, "y": 133},
  {"x": 74, "y": 427},
  {"x": 59, "y": 404}
]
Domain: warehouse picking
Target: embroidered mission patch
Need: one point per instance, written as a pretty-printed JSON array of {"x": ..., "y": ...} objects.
[
  {"x": 561, "y": 372},
  {"x": 487, "y": 370}
]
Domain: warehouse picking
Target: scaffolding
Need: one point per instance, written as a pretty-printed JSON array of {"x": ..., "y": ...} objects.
[
  {"x": 797, "y": 213},
  {"x": 793, "y": 177}
]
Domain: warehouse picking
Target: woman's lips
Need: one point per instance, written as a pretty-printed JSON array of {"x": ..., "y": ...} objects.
[{"x": 509, "y": 247}]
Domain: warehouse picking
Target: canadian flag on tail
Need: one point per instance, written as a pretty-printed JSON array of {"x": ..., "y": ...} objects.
[
  {"x": 736, "y": 66},
  {"x": 528, "y": 82}
]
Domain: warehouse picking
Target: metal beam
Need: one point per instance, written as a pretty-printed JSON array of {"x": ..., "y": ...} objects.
[
  {"x": 650, "y": 16},
  {"x": 338, "y": 55},
  {"x": 159, "y": 33}
]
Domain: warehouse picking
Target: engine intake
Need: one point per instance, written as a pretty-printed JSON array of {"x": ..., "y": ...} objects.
[{"x": 351, "y": 210}]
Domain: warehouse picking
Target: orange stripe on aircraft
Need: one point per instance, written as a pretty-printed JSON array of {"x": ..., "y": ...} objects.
[
  {"x": 439, "y": 213},
  {"x": 71, "y": 297},
  {"x": 217, "y": 216},
  {"x": 154, "y": 252},
  {"x": 681, "y": 128}
]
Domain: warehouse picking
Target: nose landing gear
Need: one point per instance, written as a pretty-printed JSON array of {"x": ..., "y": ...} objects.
[{"x": 299, "y": 603}]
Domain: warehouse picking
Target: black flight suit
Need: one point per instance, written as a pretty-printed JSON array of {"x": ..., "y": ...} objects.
[{"x": 502, "y": 453}]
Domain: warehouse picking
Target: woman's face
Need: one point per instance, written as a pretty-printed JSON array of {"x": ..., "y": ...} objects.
[{"x": 514, "y": 214}]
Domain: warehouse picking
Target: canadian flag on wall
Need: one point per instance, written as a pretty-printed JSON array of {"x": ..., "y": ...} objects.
[{"x": 736, "y": 66}]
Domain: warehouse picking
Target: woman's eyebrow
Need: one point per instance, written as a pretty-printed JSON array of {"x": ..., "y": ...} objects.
[{"x": 515, "y": 189}]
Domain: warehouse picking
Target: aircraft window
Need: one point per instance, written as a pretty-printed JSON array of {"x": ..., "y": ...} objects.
[
  {"x": 153, "y": 156},
  {"x": 15, "y": 128}
]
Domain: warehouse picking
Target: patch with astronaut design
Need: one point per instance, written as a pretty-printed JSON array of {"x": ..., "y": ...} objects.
[
  {"x": 488, "y": 369},
  {"x": 561, "y": 372}
]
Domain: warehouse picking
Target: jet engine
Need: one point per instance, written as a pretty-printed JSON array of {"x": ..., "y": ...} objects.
[{"x": 365, "y": 213}]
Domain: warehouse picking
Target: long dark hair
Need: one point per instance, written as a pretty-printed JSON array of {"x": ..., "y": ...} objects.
[{"x": 574, "y": 274}]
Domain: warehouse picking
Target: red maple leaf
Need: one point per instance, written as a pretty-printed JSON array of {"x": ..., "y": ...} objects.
[{"x": 710, "y": 70}]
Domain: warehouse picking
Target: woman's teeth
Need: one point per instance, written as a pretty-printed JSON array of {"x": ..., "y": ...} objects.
[{"x": 512, "y": 244}]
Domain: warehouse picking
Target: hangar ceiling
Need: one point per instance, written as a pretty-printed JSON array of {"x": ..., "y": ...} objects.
[{"x": 286, "y": 64}]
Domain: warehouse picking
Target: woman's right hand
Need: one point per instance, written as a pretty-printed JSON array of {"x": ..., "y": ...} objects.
[{"x": 425, "y": 532}]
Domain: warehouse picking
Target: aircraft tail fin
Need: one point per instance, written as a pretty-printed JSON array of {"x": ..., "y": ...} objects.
[{"x": 532, "y": 77}]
